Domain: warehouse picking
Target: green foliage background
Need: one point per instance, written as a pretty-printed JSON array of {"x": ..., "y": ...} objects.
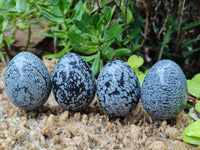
[{"x": 101, "y": 31}]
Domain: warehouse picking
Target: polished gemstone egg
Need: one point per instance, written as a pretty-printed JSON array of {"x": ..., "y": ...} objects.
[
  {"x": 118, "y": 88},
  {"x": 73, "y": 83},
  {"x": 164, "y": 90},
  {"x": 27, "y": 81}
]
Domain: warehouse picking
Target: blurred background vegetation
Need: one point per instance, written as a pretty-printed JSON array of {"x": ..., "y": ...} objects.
[{"x": 103, "y": 30}]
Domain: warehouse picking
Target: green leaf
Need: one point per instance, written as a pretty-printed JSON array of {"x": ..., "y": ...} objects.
[
  {"x": 197, "y": 106},
  {"x": 62, "y": 5},
  {"x": 101, "y": 65},
  {"x": 140, "y": 76},
  {"x": 189, "y": 53},
  {"x": 188, "y": 105},
  {"x": 122, "y": 52},
  {"x": 104, "y": 3},
  {"x": 77, "y": 40},
  {"x": 22, "y": 26},
  {"x": 1, "y": 38},
  {"x": 1, "y": 20},
  {"x": 129, "y": 14},
  {"x": 191, "y": 133},
  {"x": 6, "y": 25},
  {"x": 193, "y": 88},
  {"x": 135, "y": 62},
  {"x": 112, "y": 32},
  {"x": 89, "y": 58},
  {"x": 2, "y": 3},
  {"x": 7, "y": 4},
  {"x": 86, "y": 19},
  {"x": 50, "y": 16},
  {"x": 21, "y": 5},
  {"x": 53, "y": 2},
  {"x": 58, "y": 55},
  {"x": 55, "y": 9},
  {"x": 95, "y": 19},
  {"x": 78, "y": 11},
  {"x": 96, "y": 64},
  {"x": 99, "y": 24},
  {"x": 135, "y": 47},
  {"x": 82, "y": 26},
  {"x": 108, "y": 14},
  {"x": 88, "y": 49},
  {"x": 47, "y": 34},
  {"x": 196, "y": 78},
  {"x": 69, "y": 5},
  {"x": 191, "y": 25},
  {"x": 167, "y": 38},
  {"x": 189, "y": 42},
  {"x": 194, "y": 85},
  {"x": 108, "y": 52},
  {"x": 9, "y": 40}
]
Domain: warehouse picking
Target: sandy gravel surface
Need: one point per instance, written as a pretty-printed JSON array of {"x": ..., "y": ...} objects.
[{"x": 51, "y": 127}]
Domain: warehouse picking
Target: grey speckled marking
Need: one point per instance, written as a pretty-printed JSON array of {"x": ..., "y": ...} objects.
[
  {"x": 73, "y": 83},
  {"x": 164, "y": 90},
  {"x": 118, "y": 88},
  {"x": 27, "y": 81}
]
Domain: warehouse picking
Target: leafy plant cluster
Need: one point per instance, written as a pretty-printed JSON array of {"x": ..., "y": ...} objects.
[
  {"x": 17, "y": 15},
  {"x": 103, "y": 30},
  {"x": 88, "y": 32}
]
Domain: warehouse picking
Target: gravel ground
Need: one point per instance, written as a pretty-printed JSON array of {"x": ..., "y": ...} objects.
[{"x": 51, "y": 127}]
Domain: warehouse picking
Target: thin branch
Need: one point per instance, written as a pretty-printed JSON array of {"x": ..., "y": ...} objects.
[
  {"x": 168, "y": 11},
  {"x": 55, "y": 41},
  {"x": 5, "y": 59},
  {"x": 7, "y": 49},
  {"x": 127, "y": 31},
  {"x": 192, "y": 99},
  {"x": 120, "y": 3},
  {"x": 98, "y": 4},
  {"x": 179, "y": 27},
  {"x": 29, "y": 38},
  {"x": 146, "y": 25}
]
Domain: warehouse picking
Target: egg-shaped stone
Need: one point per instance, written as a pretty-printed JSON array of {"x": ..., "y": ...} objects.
[
  {"x": 73, "y": 83},
  {"x": 164, "y": 90},
  {"x": 27, "y": 81},
  {"x": 118, "y": 88}
]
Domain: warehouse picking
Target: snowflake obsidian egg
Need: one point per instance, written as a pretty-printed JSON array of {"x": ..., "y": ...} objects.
[
  {"x": 27, "y": 81},
  {"x": 164, "y": 90},
  {"x": 118, "y": 88},
  {"x": 73, "y": 83}
]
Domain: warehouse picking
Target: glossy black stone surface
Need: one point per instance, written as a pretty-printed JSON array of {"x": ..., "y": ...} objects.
[
  {"x": 118, "y": 88},
  {"x": 73, "y": 83}
]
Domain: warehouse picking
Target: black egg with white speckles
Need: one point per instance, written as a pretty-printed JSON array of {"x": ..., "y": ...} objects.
[
  {"x": 73, "y": 83},
  {"x": 164, "y": 90},
  {"x": 118, "y": 88},
  {"x": 27, "y": 81}
]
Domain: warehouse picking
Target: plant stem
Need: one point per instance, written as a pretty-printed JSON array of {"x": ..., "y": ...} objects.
[
  {"x": 168, "y": 11},
  {"x": 29, "y": 38},
  {"x": 101, "y": 11},
  {"x": 146, "y": 25},
  {"x": 7, "y": 49},
  {"x": 179, "y": 27},
  {"x": 127, "y": 31},
  {"x": 55, "y": 40}
]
